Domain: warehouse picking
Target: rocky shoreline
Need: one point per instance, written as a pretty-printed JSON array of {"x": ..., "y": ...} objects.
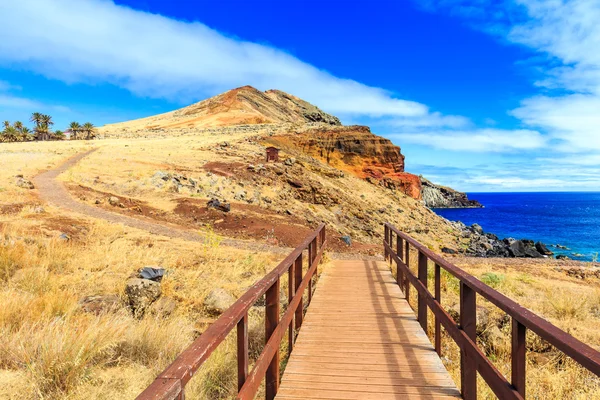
[
  {"x": 482, "y": 244},
  {"x": 436, "y": 196}
]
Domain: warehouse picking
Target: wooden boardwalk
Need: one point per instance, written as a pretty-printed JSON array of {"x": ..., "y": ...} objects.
[{"x": 361, "y": 340}]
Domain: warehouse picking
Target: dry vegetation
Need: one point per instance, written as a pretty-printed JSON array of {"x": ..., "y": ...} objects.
[
  {"x": 542, "y": 286},
  {"x": 50, "y": 348}
]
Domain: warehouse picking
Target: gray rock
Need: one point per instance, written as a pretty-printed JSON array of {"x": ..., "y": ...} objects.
[
  {"x": 39, "y": 210},
  {"x": 152, "y": 273},
  {"x": 216, "y": 204},
  {"x": 163, "y": 307},
  {"x": 290, "y": 161},
  {"x": 347, "y": 239},
  {"x": 24, "y": 183},
  {"x": 476, "y": 228},
  {"x": 447, "y": 250},
  {"x": 141, "y": 293},
  {"x": 241, "y": 195},
  {"x": 218, "y": 301},
  {"x": 100, "y": 304},
  {"x": 64, "y": 237},
  {"x": 161, "y": 175},
  {"x": 113, "y": 201},
  {"x": 542, "y": 249}
]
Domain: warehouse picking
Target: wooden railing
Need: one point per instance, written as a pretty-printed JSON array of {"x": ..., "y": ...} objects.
[
  {"x": 170, "y": 384},
  {"x": 463, "y": 333}
]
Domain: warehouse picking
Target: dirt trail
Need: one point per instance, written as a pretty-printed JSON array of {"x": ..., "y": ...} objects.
[{"x": 54, "y": 192}]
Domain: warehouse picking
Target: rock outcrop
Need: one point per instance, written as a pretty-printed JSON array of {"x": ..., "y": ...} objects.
[
  {"x": 356, "y": 150},
  {"x": 435, "y": 196},
  {"x": 482, "y": 244}
]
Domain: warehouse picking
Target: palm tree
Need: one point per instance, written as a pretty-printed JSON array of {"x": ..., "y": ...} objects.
[
  {"x": 59, "y": 135},
  {"x": 75, "y": 129},
  {"x": 25, "y": 133},
  {"x": 11, "y": 134},
  {"x": 36, "y": 118},
  {"x": 90, "y": 130},
  {"x": 43, "y": 126},
  {"x": 6, "y": 124}
]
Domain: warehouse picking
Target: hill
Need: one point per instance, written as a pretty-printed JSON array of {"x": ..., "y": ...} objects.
[{"x": 242, "y": 106}]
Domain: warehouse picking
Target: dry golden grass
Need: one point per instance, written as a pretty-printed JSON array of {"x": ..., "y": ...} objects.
[{"x": 569, "y": 303}]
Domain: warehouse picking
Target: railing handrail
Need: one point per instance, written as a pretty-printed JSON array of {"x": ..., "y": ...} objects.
[
  {"x": 170, "y": 383},
  {"x": 582, "y": 353}
]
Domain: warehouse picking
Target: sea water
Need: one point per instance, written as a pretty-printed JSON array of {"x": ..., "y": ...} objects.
[{"x": 567, "y": 219}]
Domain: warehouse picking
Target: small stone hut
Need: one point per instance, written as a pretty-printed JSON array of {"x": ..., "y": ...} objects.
[{"x": 272, "y": 154}]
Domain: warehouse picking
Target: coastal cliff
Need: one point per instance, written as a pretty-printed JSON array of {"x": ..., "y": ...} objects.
[
  {"x": 356, "y": 150},
  {"x": 436, "y": 196}
]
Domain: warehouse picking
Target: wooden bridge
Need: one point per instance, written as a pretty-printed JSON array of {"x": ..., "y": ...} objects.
[{"x": 360, "y": 339}]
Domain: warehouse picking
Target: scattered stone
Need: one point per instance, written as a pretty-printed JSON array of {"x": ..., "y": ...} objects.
[
  {"x": 290, "y": 161},
  {"x": 476, "y": 228},
  {"x": 161, "y": 175},
  {"x": 141, "y": 293},
  {"x": 218, "y": 301},
  {"x": 100, "y": 304},
  {"x": 113, "y": 201},
  {"x": 98, "y": 201},
  {"x": 64, "y": 237},
  {"x": 447, "y": 250},
  {"x": 241, "y": 195},
  {"x": 216, "y": 204},
  {"x": 163, "y": 307},
  {"x": 38, "y": 210},
  {"x": 152, "y": 273},
  {"x": 24, "y": 183},
  {"x": 295, "y": 183},
  {"x": 347, "y": 239}
]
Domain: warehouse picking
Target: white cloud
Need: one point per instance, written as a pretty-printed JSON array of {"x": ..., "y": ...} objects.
[
  {"x": 479, "y": 140},
  {"x": 568, "y": 32},
  {"x": 151, "y": 55}
]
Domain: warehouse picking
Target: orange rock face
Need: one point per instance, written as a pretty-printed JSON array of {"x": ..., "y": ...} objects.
[{"x": 358, "y": 151}]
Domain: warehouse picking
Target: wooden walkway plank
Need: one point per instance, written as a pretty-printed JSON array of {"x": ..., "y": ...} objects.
[{"x": 361, "y": 340}]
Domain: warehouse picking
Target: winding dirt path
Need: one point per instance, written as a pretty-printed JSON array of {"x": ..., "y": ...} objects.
[{"x": 54, "y": 192}]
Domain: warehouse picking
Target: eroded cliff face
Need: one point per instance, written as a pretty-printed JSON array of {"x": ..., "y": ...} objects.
[
  {"x": 356, "y": 150},
  {"x": 436, "y": 196}
]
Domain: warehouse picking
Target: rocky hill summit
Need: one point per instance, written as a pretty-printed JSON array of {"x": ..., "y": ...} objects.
[
  {"x": 436, "y": 196},
  {"x": 242, "y": 106}
]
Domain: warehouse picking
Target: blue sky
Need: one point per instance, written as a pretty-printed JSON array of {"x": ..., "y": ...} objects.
[{"x": 481, "y": 95}]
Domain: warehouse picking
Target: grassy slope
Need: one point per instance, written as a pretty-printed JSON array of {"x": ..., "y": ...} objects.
[{"x": 50, "y": 348}]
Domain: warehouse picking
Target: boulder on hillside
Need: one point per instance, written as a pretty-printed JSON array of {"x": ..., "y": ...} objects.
[
  {"x": 141, "y": 293},
  {"x": 24, "y": 183},
  {"x": 218, "y": 301},
  {"x": 523, "y": 248},
  {"x": 100, "y": 304},
  {"x": 218, "y": 205}
]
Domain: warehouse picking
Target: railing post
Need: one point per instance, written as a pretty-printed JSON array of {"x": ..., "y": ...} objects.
[
  {"x": 242, "y": 350},
  {"x": 297, "y": 282},
  {"x": 468, "y": 323},
  {"x": 311, "y": 252},
  {"x": 438, "y": 297},
  {"x": 399, "y": 248},
  {"x": 422, "y": 303},
  {"x": 385, "y": 240},
  {"x": 271, "y": 321},
  {"x": 406, "y": 281},
  {"x": 518, "y": 356},
  {"x": 291, "y": 293}
]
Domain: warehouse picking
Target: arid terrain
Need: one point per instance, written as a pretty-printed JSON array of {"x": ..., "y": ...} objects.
[{"x": 138, "y": 197}]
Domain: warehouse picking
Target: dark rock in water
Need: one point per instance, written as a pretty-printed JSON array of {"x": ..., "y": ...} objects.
[
  {"x": 523, "y": 248},
  {"x": 347, "y": 240},
  {"x": 542, "y": 249},
  {"x": 447, "y": 250},
  {"x": 151, "y": 273},
  {"x": 562, "y": 257},
  {"x": 216, "y": 204}
]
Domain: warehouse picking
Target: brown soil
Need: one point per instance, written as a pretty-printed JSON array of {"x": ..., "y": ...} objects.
[
  {"x": 12, "y": 208},
  {"x": 225, "y": 169}
]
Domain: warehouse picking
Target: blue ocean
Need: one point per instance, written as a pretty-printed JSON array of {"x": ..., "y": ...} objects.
[{"x": 568, "y": 219}]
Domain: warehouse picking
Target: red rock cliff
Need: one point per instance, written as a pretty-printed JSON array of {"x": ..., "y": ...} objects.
[{"x": 356, "y": 150}]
